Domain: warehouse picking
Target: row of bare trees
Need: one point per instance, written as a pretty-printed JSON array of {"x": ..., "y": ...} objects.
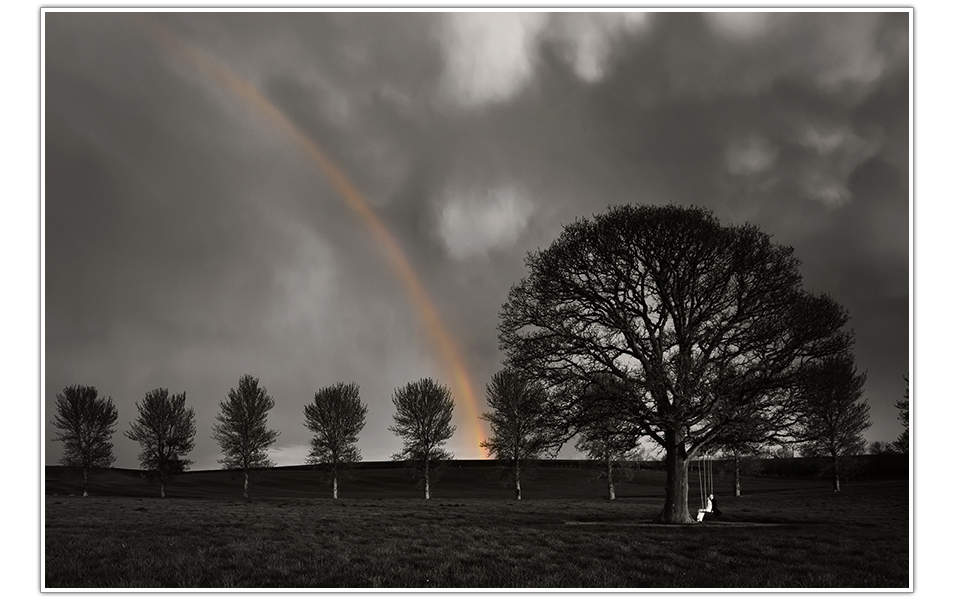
[
  {"x": 86, "y": 423},
  {"x": 653, "y": 322},
  {"x": 523, "y": 428},
  {"x": 165, "y": 429}
]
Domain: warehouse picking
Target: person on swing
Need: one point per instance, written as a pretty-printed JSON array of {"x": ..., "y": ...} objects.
[{"x": 709, "y": 509}]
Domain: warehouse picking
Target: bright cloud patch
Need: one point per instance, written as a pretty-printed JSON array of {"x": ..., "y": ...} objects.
[
  {"x": 826, "y": 189},
  {"x": 853, "y": 52},
  {"x": 489, "y": 56},
  {"x": 284, "y": 456},
  {"x": 838, "y": 52},
  {"x": 740, "y": 26},
  {"x": 471, "y": 224},
  {"x": 828, "y": 141},
  {"x": 751, "y": 156},
  {"x": 836, "y": 151},
  {"x": 588, "y": 38}
]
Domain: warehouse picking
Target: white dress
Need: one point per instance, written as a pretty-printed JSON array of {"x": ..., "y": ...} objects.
[{"x": 702, "y": 511}]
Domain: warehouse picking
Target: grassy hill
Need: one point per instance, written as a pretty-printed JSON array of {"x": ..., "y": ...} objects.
[{"x": 787, "y": 530}]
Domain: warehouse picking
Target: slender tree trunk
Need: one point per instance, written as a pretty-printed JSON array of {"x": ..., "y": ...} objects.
[
  {"x": 85, "y": 482},
  {"x": 334, "y": 487},
  {"x": 517, "y": 478},
  {"x": 738, "y": 479},
  {"x": 427, "y": 478},
  {"x": 162, "y": 488},
  {"x": 837, "y": 480},
  {"x": 245, "y": 488},
  {"x": 676, "y": 507},
  {"x": 609, "y": 476}
]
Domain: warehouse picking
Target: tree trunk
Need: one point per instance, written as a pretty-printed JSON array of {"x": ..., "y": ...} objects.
[
  {"x": 609, "y": 476},
  {"x": 517, "y": 479},
  {"x": 837, "y": 480},
  {"x": 245, "y": 488},
  {"x": 162, "y": 489},
  {"x": 676, "y": 508},
  {"x": 85, "y": 482},
  {"x": 427, "y": 478},
  {"x": 738, "y": 479},
  {"x": 334, "y": 487}
]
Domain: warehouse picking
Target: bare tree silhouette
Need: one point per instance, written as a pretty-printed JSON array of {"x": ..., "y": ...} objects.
[
  {"x": 336, "y": 417},
  {"x": 86, "y": 424},
  {"x": 695, "y": 319},
  {"x": 165, "y": 429},
  {"x": 521, "y": 428},
  {"x": 424, "y": 411},
  {"x": 242, "y": 431}
]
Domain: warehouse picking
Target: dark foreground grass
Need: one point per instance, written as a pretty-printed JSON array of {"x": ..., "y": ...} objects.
[{"x": 787, "y": 538}]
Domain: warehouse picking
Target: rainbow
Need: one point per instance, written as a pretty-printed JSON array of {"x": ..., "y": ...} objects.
[{"x": 395, "y": 257}]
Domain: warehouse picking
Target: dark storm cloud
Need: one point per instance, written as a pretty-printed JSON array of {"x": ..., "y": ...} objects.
[{"x": 188, "y": 243}]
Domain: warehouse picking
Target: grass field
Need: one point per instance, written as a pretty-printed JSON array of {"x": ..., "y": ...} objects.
[{"x": 782, "y": 533}]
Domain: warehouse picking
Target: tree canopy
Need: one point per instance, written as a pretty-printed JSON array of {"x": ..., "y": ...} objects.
[
  {"x": 165, "y": 430},
  {"x": 336, "y": 416},
  {"x": 423, "y": 420},
  {"x": 700, "y": 323},
  {"x": 835, "y": 416},
  {"x": 602, "y": 435},
  {"x": 521, "y": 426},
  {"x": 86, "y": 424},
  {"x": 242, "y": 430},
  {"x": 901, "y": 444}
]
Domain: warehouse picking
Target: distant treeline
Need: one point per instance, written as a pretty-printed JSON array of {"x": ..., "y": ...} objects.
[
  {"x": 862, "y": 466},
  {"x": 477, "y": 463},
  {"x": 875, "y": 466}
]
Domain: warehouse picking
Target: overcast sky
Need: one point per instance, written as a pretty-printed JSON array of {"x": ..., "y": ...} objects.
[{"x": 189, "y": 240}]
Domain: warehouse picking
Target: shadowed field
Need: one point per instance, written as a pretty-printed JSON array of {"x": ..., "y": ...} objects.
[{"x": 782, "y": 533}]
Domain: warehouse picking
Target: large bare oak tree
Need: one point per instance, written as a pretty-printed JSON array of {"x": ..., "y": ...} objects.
[{"x": 695, "y": 320}]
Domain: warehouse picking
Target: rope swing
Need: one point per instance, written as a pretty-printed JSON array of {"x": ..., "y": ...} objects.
[
  {"x": 706, "y": 488},
  {"x": 706, "y": 485},
  {"x": 711, "y": 487},
  {"x": 702, "y": 487}
]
